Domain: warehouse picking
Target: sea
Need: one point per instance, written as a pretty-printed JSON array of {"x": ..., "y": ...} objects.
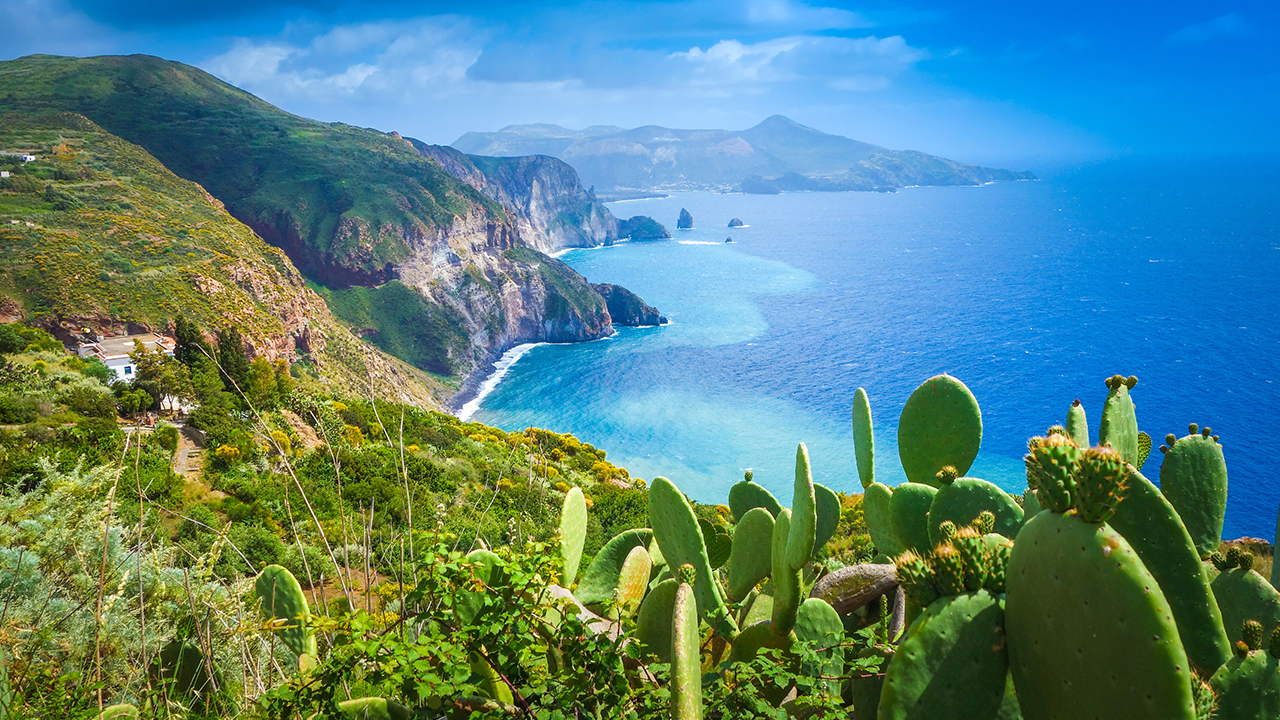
[{"x": 1031, "y": 293}]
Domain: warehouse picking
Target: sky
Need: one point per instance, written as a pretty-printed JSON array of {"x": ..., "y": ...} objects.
[{"x": 974, "y": 81}]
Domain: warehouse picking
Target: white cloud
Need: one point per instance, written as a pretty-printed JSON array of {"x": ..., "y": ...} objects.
[
  {"x": 867, "y": 63},
  {"x": 1229, "y": 25}
]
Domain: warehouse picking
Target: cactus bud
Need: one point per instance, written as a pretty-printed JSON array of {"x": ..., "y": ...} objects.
[
  {"x": 1192, "y": 429},
  {"x": 986, "y": 521},
  {"x": 1251, "y": 634},
  {"x": 1219, "y": 561},
  {"x": 687, "y": 574},
  {"x": 1206, "y": 431},
  {"x": 1101, "y": 480},
  {"x": 947, "y": 475},
  {"x": 1075, "y": 403},
  {"x": 973, "y": 554},
  {"x": 1246, "y": 561},
  {"x": 748, "y": 475},
  {"x": 947, "y": 530},
  {"x": 999, "y": 564},
  {"x": 1051, "y": 467},
  {"x": 1242, "y": 650},
  {"x": 1170, "y": 439},
  {"x": 916, "y": 578},
  {"x": 1131, "y": 381},
  {"x": 1056, "y": 430},
  {"x": 948, "y": 569},
  {"x": 1233, "y": 557}
]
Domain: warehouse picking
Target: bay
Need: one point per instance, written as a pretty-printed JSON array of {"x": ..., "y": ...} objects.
[{"x": 1032, "y": 293}]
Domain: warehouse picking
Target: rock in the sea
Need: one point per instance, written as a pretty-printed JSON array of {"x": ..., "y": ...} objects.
[
  {"x": 686, "y": 220},
  {"x": 626, "y": 308},
  {"x": 735, "y": 223},
  {"x": 641, "y": 227}
]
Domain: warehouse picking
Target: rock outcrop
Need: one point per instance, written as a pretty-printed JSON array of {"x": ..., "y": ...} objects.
[
  {"x": 642, "y": 227},
  {"x": 736, "y": 223},
  {"x": 552, "y": 210},
  {"x": 626, "y": 308},
  {"x": 685, "y": 221}
]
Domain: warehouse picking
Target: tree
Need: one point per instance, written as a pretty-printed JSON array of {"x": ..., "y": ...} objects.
[
  {"x": 262, "y": 385},
  {"x": 284, "y": 380},
  {"x": 164, "y": 376},
  {"x": 191, "y": 346},
  {"x": 235, "y": 367},
  {"x": 10, "y": 340}
]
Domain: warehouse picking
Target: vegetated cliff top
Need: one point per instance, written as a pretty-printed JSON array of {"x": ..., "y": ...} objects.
[
  {"x": 345, "y": 201},
  {"x": 657, "y": 158},
  {"x": 97, "y": 233}
]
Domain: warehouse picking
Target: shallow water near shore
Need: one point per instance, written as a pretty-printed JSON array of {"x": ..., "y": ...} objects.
[{"x": 1031, "y": 293}]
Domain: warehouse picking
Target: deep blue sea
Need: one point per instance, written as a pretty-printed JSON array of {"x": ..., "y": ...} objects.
[{"x": 1031, "y": 293}]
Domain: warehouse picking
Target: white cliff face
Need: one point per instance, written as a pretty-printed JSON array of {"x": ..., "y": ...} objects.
[{"x": 550, "y": 208}]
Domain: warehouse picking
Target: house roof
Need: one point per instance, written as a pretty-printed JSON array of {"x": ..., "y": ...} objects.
[{"x": 122, "y": 345}]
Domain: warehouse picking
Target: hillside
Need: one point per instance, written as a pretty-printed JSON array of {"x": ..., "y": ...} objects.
[
  {"x": 98, "y": 234},
  {"x": 354, "y": 208},
  {"x": 656, "y": 158}
]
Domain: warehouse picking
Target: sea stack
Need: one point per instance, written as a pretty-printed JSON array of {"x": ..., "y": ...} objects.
[
  {"x": 686, "y": 220},
  {"x": 736, "y": 222}
]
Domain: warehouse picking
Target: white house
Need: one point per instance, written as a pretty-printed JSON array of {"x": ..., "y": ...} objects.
[
  {"x": 4, "y": 173},
  {"x": 114, "y": 351},
  {"x": 27, "y": 158}
]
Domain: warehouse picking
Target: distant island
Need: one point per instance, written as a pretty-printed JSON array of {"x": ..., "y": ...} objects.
[
  {"x": 642, "y": 227},
  {"x": 778, "y": 155}
]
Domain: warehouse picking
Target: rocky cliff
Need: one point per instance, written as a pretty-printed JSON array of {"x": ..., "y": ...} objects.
[
  {"x": 626, "y": 308},
  {"x": 544, "y": 196}
]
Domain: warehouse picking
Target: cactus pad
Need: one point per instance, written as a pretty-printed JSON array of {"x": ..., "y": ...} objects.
[
  {"x": 485, "y": 568},
  {"x": 573, "y": 533},
  {"x": 964, "y": 500},
  {"x": 115, "y": 712},
  {"x": 676, "y": 529},
  {"x": 1154, "y": 531},
  {"x": 864, "y": 448},
  {"x": 180, "y": 665},
  {"x": 804, "y": 513},
  {"x": 373, "y": 708},
  {"x": 1090, "y": 633},
  {"x": 601, "y": 578},
  {"x": 828, "y": 510},
  {"x": 819, "y": 624},
  {"x": 281, "y": 598},
  {"x": 686, "y": 665},
  {"x": 877, "y": 501},
  {"x": 1077, "y": 425},
  {"x": 633, "y": 581},
  {"x": 1119, "y": 426},
  {"x": 786, "y": 581},
  {"x": 718, "y": 541},
  {"x": 910, "y": 509},
  {"x": 653, "y": 621},
  {"x": 953, "y": 663},
  {"x": 1248, "y": 687},
  {"x": 1242, "y": 595},
  {"x": 750, "y": 558},
  {"x": 1193, "y": 476},
  {"x": 746, "y": 494},
  {"x": 940, "y": 425}
]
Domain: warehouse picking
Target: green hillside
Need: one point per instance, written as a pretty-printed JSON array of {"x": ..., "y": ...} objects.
[
  {"x": 342, "y": 200},
  {"x": 96, "y": 233}
]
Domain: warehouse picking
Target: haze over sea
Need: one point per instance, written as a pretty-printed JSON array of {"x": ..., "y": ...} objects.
[{"x": 1031, "y": 293}]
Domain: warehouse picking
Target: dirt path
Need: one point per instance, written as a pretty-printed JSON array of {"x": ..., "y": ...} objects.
[{"x": 188, "y": 461}]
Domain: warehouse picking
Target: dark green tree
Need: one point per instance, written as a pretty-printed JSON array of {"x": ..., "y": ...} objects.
[{"x": 234, "y": 365}]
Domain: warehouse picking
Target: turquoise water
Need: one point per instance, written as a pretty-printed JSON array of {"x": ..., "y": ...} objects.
[{"x": 1031, "y": 293}]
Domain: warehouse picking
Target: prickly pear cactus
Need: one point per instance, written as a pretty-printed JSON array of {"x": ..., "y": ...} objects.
[
  {"x": 864, "y": 447},
  {"x": 745, "y": 495},
  {"x": 676, "y": 529},
  {"x": 750, "y": 558},
  {"x": 1247, "y": 687},
  {"x": 281, "y": 598},
  {"x": 653, "y": 622},
  {"x": 1077, "y": 425},
  {"x": 828, "y": 511},
  {"x": 686, "y": 665},
  {"x": 374, "y": 708},
  {"x": 573, "y": 533},
  {"x": 877, "y": 501},
  {"x": 1119, "y": 427},
  {"x": 786, "y": 581},
  {"x": 940, "y": 426},
  {"x": 1155, "y": 531},
  {"x": 485, "y": 567},
  {"x": 909, "y": 508},
  {"x": 115, "y": 712},
  {"x": 633, "y": 582},
  {"x": 1090, "y": 633},
  {"x": 181, "y": 667},
  {"x": 962, "y": 499},
  {"x": 819, "y": 624},
  {"x": 601, "y": 578},
  {"x": 1193, "y": 476},
  {"x": 1243, "y": 594},
  {"x": 953, "y": 662},
  {"x": 804, "y": 513}
]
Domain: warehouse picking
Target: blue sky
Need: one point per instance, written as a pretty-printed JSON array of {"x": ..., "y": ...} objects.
[{"x": 978, "y": 81}]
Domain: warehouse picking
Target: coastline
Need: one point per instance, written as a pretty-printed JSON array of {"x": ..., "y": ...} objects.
[{"x": 480, "y": 388}]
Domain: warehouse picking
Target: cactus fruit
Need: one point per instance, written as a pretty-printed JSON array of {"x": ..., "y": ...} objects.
[
  {"x": 601, "y": 578},
  {"x": 998, "y": 562},
  {"x": 948, "y": 570},
  {"x": 910, "y": 509},
  {"x": 952, "y": 663},
  {"x": 374, "y": 708},
  {"x": 986, "y": 522},
  {"x": 877, "y": 501},
  {"x": 1051, "y": 465},
  {"x": 963, "y": 500},
  {"x": 676, "y": 529},
  {"x": 750, "y": 558},
  {"x": 1100, "y": 480},
  {"x": 1077, "y": 425},
  {"x": 653, "y": 621},
  {"x": 828, "y": 511},
  {"x": 946, "y": 531},
  {"x": 786, "y": 582},
  {"x": 941, "y": 425},
  {"x": 804, "y": 513},
  {"x": 864, "y": 448},
  {"x": 573, "y": 533},
  {"x": 1119, "y": 427},
  {"x": 1206, "y": 701},
  {"x": 1251, "y": 634},
  {"x": 1154, "y": 531},
  {"x": 974, "y": 557},
  {"x": 1193, "y": 476},
  {"x": 1243, "y": 594},
  {"x": 916, "y": 578},
  {"x": 686, "y": 666},
  {"x": 746, "y": 494},
  {"x": 282, "y": 599},
  {"x": 1090, "y": 633}
]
